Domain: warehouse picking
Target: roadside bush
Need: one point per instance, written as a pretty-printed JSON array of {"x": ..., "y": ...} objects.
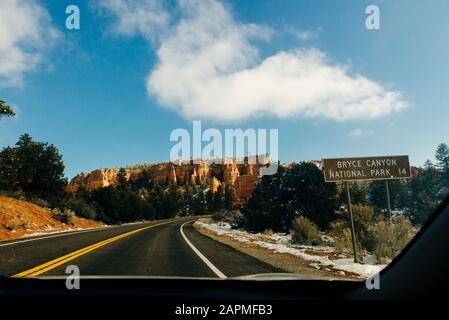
[
  {"x": 391, "y": 237},
  {"x": 64, "y": 216},
  {"x": 39, "y": 202},
  {"x": 362, "y": 214},
  {"x": 18, "y": 194},
  {"x": 11, "y": 226},
  {"x": 305, "y": 232},
  {"x": 363, "y": 219},
  {"x": 267, "y": 232},
  {"x": 224, "y": 215},
  {"x": 82, "y": 208},
  {"x": 237, "y": 221},
  {"x": 343, "y": 239},
  {"x": 119, "y": 206}
]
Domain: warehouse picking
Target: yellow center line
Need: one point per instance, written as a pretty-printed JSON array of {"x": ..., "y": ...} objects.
[{"x": 40, "y": 269}]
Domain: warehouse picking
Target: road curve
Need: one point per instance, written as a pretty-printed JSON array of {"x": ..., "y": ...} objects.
[{"x": 150, "y": 249}]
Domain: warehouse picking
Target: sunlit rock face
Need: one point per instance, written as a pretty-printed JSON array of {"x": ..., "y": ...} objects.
[{"x": 242, "y": 176}]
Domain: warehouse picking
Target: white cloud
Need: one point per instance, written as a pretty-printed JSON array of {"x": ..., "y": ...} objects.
[
  {"x": 134, "y": 17},
  {"x": 26, "y": 32},
  {"x": 360, "y": 132},
  {"x": 301, "y": 34},
  {"x": 208, "y": 68}
]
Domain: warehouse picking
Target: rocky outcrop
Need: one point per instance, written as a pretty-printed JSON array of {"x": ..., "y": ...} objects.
[
  {"x": 215, "y": 185},
  {"x": 96, "y": 179},
  {"x": 244, "y": 187},
  {"x": 242, "y": 176}
]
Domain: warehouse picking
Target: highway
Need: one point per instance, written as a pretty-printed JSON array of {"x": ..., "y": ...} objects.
[{"x": 171, "y": 248}]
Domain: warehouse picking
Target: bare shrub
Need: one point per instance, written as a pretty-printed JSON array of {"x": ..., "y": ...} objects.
[
  {"x": 343, "y": 238},
  {"x": 363, "y": 219},
  {"x": 305, "y": 232},
  {"x": 390, "y": 237},
  {"x": 267, "y": 232},
  {"x": 224, "y": 215},
  {"x": 39, "y": 202},
  {"x": 11, "y": 226},
  {"x": 64, "y": 216},
  {"x": 363, "y": 214},
  {"x": 206, "y": 220},
  {"x": 25, "y": 224}
]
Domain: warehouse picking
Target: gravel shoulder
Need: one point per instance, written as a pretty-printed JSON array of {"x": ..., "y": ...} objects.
[{"x": 283, "y": 261}]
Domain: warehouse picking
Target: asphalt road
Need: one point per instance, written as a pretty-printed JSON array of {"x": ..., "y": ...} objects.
[{"x": 150, "y": 249}]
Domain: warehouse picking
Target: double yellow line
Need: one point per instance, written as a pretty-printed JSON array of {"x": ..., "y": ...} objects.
[{"x": 40, "y": 269}]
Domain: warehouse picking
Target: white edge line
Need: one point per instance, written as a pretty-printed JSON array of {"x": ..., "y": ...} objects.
[
  {"x": 62, "y": 234},
  {"x": 202, "y": 257},
  {"x": 68, "y": 232},
  {"x": 58, "y": 234}
]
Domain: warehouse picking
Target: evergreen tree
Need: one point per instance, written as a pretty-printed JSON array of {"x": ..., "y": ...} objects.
[
  {"x": 442, "y": 156},
  {"x": 228, "y": 197},
  {"x": 378, "y": 194},
  {"x": 428, "y": 164},
  {"x": 308, "y": 195},
  {"x": 199, "y": 203},
  {"x": 174, "y": 199},
  {"x": 297, "y": 191},
  {"x": 210, "y": 201},
  {"x": 188, "y": 200},
  {"x": 359, "y": 194},
  {"x": 423, "y": 197},
  {"x": 218, "y": 200},
  {"x": 118, "y": 206},
  {"x": 33, "y": 167},
  {"x": 264, "y": 209},
  {"x": 121, "y": 178},
  {"x": 5, "y": 110}
]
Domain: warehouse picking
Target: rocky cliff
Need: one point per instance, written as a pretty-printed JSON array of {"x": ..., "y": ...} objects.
[{"x": 242, "y": 176}]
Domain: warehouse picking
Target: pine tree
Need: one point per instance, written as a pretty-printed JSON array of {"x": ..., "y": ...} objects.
[
  {"x": 6, "y": 110},
  {"x": 199, "y": 203},
  {"x": 428, "y": 164},
  {"x": 218, "y": 200},
  {"x": 423, "y": 197},
  {"x": 121, "y": 178},
  {"x": 33, "y": 167},
  {"x": 210, "y": 203},
  {"x": 296, "y": 191},
  {"x": 228, "y": 196},
  {"x": 442, "y": 155},
  {"x": 359, "y": 194},
  {"x": 378, "y": 194}
]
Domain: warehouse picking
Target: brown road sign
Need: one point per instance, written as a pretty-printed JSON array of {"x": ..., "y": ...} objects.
[{"x": 366, "y": 168}]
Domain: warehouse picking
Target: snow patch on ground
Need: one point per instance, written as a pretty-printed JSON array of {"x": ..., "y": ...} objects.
[
  {"x": 46, "y": 233},
  {"x": 317, "y": 255}
]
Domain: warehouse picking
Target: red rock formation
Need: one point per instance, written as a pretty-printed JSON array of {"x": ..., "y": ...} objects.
[
  {"x": 215, "y": 184},
  {"x": 243, "y": 177},
  {"x": 230, "y": 172},
  {"x": 244, "y": 187}
]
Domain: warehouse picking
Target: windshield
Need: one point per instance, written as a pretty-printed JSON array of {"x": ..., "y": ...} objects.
[{"x": 219, "y": 139}]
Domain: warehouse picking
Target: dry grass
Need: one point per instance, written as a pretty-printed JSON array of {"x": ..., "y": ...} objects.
[{"x": 305, "y": 232}]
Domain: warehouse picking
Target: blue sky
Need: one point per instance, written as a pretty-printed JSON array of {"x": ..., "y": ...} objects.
[{"x": 106, "y": 95}]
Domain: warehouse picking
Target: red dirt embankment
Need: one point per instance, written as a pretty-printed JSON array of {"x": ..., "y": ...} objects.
[{"x": 20, "y": 219}]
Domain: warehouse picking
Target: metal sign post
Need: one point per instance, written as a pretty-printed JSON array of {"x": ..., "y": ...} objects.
[
  {"x": 387, "y": 188},
  {"x": 363, "y": 169},
  {"x": 351, "y": 222}
]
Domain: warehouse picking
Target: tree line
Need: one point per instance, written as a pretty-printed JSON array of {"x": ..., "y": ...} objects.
[
  {"x": 35, "y": 171},
  {"x": 300, "y": 191}
]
